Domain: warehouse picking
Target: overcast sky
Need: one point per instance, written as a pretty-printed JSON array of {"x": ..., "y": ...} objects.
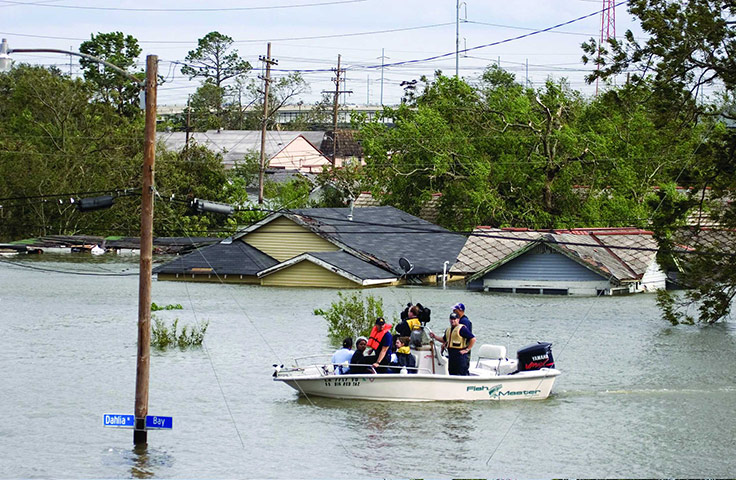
[{"x": 421, "y": 29}]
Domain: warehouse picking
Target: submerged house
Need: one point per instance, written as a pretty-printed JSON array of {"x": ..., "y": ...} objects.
[
  {"x": 590, "y": 261},
  {"x": 325, "y": 247}
]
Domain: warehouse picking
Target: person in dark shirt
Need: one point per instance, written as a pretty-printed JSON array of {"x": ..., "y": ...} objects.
[
  {"x": 360, "y": 363},
  {"x": 459, "y": 309}
]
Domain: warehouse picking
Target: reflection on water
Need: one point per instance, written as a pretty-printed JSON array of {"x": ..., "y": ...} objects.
[
  {"x": 634, "y": 394},
  {"x": 142, "y": 464}
]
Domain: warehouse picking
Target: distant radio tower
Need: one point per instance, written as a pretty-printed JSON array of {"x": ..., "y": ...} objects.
[{"x": 608, "y": 28}]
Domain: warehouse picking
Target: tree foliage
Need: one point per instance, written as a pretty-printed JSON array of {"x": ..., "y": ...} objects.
[
  {"x": 215, "y": 62},
  {"x": 55, "y": 139},
  {"x": 502, "y": 154},
  {"x": 352, "y": 315},
  {"x": 113, "y": 87},
  {"x": 690, "y": 46}
]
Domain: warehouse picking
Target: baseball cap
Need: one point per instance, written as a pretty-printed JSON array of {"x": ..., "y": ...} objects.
[
  {"x": 454, "y": 315},
  {"x": 459, "y": 306},
  {"x": 380, "y": 321}
]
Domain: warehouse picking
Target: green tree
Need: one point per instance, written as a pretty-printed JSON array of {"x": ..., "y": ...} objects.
[
  {"x": 54, "y": 139},
  {"x": 113, "y": 87},
  {"x": 215, "y": 62},
  {"x": 690, "y": 46}
]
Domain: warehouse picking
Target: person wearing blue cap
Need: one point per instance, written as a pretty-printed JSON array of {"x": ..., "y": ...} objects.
[
  {"x": 458, "y": 341},
  {"x": 459, "y": 308}
]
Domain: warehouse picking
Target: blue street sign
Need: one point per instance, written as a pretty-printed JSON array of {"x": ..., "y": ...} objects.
[
  {"x": 115, "y": 420},
  {"x": 153, "y": 421}
]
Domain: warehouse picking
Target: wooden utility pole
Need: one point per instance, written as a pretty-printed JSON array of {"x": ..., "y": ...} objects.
[
  {"x": 335, "y": 104},
  {"x": 188, "y": 126},
  {"x": 267, "y": 81},
  {"x": 140, "y": 435}
]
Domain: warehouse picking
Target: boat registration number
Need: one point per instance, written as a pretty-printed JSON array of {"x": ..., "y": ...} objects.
[{"x": 342, "y": 382}]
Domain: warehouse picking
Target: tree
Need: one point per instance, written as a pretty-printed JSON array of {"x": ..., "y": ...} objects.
[
  {"x": 54, "y": 140},
  {"x": 113, "y": 87},
  {"x": 690, "y": 46},
  {"x": 215, "y": 62}
]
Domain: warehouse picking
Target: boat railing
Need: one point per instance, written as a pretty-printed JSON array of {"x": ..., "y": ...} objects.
[{"x": 329, "y": 368}]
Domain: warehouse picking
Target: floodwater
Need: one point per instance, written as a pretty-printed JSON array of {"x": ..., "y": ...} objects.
[{"x": 637, "y": 397}]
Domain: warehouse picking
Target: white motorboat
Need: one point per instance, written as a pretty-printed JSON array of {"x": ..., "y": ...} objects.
[{"x": 493, "y": 376}]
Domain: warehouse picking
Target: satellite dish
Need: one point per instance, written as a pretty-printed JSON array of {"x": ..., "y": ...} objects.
[{"x": 405, "y": 265}]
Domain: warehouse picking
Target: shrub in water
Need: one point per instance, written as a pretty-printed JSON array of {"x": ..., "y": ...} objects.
[
  {"x": 163, "y": 337},
  {"x": 352, "y": 315}
]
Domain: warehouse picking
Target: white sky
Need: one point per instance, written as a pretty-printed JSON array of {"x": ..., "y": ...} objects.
[{"x": 171, "y": 31}]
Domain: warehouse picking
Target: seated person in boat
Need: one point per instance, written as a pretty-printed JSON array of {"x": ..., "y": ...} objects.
[
  {"x": 343, "y": 356},
  {"x": 404, "y": 357},
  {"x": 359, "y": 358},
  {"x": 458, "y": 341},
  {"x": 409, "y": 321},
  {"x": 380, "y": 341}
]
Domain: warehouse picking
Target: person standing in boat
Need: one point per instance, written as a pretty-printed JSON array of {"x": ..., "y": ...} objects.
[
  {"x": 411, "y": 322},
  {"x": 458, "y": 341},
  {"x": 344, "y": 355},
  {"x": 380, "y": 341},
  {"x": 459, "y": 309}
]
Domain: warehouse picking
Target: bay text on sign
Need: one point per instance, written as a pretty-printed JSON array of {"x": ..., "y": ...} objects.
[{"x": 154, "y": 421}]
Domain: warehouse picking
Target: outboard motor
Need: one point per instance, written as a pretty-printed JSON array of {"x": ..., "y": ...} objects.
[{"x": 535, "y": 356}]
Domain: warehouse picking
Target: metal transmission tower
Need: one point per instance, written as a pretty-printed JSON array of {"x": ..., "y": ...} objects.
[{"x": 608, "y": 28}]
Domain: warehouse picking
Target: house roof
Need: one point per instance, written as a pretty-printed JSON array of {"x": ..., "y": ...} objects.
[
  {"x": 224, "y": 258},
  {"x": 429, "y": 211},
  {"x": 379, "y": 235},
  {"x": 347, "y": 144},
  {"x": 341, "y": 263},
  {"x": 622, "y": 253},
  {"x": 235, "y": 144},
  {"x": 717, "y": 239}
]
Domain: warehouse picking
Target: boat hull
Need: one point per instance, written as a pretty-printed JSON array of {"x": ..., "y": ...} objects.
[{"x": 531, "y": 385}]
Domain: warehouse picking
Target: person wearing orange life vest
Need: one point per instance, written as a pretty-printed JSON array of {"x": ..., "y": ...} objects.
[
  {"x": 380, "y": 341},
  {"x": 459, "y": 341}
]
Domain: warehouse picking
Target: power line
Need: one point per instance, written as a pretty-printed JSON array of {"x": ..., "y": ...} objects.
[{"x": 186, "y": 10}]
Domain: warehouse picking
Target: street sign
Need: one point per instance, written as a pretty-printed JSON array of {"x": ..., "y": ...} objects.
[
  {"x": 120, "y": 421},
  {"x": 156, "y": 422}
]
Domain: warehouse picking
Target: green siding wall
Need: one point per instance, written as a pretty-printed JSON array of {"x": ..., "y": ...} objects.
[
  {"x": 283, "y": 239},
  {"x": 307, "y": 274}
]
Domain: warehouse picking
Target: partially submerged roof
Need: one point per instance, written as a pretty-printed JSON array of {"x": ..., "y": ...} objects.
[
  {"x": 224, "y": 258},
  {"x": 341, "y": 263},
  {"x": 379, "y": 235},
  {"x": 624, "y": 254}
]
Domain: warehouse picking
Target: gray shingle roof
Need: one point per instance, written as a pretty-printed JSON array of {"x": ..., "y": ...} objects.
[
  {"x": 603, "y": 250},
  {"x": 236, "y": 258},
  {"x": 353, "y": 265},
  {"x": 383, "y": 235}
]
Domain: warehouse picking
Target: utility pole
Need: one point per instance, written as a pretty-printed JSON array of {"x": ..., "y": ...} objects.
[
  {"x": 267, "y": 81},
  {"x": 335, "y": 104},
  {"x": 188, "y": 124},
  {"x": 457, "y": 38},
  {"x": 140, "y": 434},
  {"x": 383, "y": 58}
]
